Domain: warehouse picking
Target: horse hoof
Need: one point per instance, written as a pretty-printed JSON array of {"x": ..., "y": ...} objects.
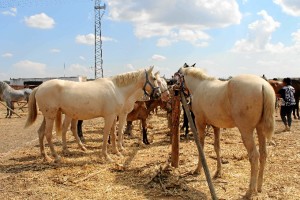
[
  {"x": 196, "y": 172},
  {"x": 66, "y": 152},
  {"x": 120, "y": 154},
  {"x": 109, "y": 159},
  {"x": 57, "y": 160},
  {"x": 218, "y": 174},
  {"x": 47, "y": 159}
]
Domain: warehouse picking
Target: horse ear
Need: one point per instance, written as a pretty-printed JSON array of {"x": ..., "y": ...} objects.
[
  {"x": 193, "y": 65},
  {"x": 150, "y": 69},
  {"x": 185, "y": 65},
  {"x": 156, "y": 73}
]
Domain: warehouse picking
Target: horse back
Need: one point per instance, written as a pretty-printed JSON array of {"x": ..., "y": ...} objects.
[{"x": 80, "y": 100}]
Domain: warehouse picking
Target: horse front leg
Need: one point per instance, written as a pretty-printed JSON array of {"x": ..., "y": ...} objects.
[
  {"x": 108, "y": 120},
  {"x": 217, "y": 148},
  {"x": 201, "y": 134},
  {"x": 8, "y": 111},
  {"x": 122, "y": 120},
  {"x": 41, "y": 134},
  {"x": 145, "y": 134},
  {"x": 113, "y": 139}
]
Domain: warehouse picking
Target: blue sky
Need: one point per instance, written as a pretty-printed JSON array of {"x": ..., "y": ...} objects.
[{"x": 224, "y": 37}]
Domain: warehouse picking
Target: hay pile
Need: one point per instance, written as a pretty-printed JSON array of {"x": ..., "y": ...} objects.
[{"x": 144, "y": 171}]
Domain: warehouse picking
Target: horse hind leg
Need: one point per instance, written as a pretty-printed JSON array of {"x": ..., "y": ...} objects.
[
  {"x": 249, "y": 143},
  {"x": 262, "y": 156},
  {"x": 48, "y": 134},
  {"x": 41, "y": 134},
  {"x": 76, "y": 135}
]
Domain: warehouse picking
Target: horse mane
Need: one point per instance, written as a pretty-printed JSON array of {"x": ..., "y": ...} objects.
[
  {"x": 197, "y": 73},
  {"x": 127, "y": 78}
]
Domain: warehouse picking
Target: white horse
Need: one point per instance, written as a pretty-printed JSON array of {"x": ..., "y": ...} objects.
[
  {"x": 105, "y": 97},
  {"x": 10, "y": 95},
  {"x": 162, "y": 83},
  {"x": 228, "y": 104}
]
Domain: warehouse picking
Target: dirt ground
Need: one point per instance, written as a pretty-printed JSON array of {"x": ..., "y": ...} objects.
[{"x": 141, "y": 173}]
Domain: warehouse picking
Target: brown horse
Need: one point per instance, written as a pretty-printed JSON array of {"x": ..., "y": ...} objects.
[
  {"x": 277, "y": 85},
  {"x": 141, "y": 111}
]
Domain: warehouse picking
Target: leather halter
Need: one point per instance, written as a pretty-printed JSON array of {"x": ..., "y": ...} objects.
[{"x": 153, "y": 88}]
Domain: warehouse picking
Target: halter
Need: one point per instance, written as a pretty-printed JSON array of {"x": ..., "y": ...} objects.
[
  {"x": 152, "y": 87},
  {"x": 181, "y": 83}
]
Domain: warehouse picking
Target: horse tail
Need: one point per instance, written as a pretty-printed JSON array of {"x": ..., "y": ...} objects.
[
  {"x": 58, "y": 124},
  {"x": 32, "y": 109},
  {"x": 268, "y": 113}
]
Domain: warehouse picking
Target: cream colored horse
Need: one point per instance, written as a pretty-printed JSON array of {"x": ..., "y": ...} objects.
[
  {"x": 105, "y": 97},
  {"x": 228, "y": 104},
  {"x": 165, "y": 95}
]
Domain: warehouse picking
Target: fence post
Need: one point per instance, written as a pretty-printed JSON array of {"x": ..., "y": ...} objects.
[
  {"x": 175, "y": 136},
  {"x": 199, "y": 147}
]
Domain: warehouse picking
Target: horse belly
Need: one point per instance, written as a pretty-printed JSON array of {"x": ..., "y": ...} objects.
[{"x": 219, "y": 119}]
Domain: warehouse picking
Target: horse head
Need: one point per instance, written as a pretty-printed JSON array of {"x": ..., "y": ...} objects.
[
  {"x": 151, "y": 87},
  {"x": 165, "y": 94}
]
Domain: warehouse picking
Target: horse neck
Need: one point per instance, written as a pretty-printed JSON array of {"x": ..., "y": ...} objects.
[
  {"x": 192, "y": 83},
  {"x": 132, "y": 92}
]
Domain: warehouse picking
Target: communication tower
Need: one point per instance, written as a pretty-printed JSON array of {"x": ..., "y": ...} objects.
[{"x": 99, "y": 12}]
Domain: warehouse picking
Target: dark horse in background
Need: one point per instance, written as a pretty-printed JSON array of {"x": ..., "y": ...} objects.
[
  {"x": 10, "y": 95},
  {"x": 277, "y": 85}
]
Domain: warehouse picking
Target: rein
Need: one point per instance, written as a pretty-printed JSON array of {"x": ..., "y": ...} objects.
[{"x": 152, "y": 87}]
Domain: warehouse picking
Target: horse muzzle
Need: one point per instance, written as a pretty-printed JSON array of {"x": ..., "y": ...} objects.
[{"x": 156, "y": 93}]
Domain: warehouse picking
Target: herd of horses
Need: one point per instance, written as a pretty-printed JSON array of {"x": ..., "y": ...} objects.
[{"x": 221, "y": 104}]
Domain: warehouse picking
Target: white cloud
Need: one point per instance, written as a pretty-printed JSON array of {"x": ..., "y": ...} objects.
[
  {"x": 89, "y": 39},
  {"x": 130, "y": 66},
  {"x": 30, "y": 66},
  {"x": 291, "y": 7},
  {"x": 10, "y": 12},
  {"x": 259, "y": 36},
  {"x": 55, "y": 50},
  {"x": 41, "y": 21},
  {"x": 81, "y": 57},
  {"x": 158, "y": 57},
  {"x": 183, "y": 21},
  {"x": 7, "y": 55},
  {"x": 79, "y": 70}
]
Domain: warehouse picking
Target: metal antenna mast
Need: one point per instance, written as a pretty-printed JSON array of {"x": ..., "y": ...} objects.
[{"x": 98, "y": 40}]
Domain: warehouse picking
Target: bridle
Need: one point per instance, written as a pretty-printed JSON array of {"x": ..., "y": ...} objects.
[
  {"x": 181, "y": 83},
  {"x": 153, "y": 88}
]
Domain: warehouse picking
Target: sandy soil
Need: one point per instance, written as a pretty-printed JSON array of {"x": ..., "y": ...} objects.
[{"x": 141, "y": 173}]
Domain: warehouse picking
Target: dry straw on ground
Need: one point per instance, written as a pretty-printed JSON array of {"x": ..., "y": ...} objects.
[{"x": 144, "y": 171}]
